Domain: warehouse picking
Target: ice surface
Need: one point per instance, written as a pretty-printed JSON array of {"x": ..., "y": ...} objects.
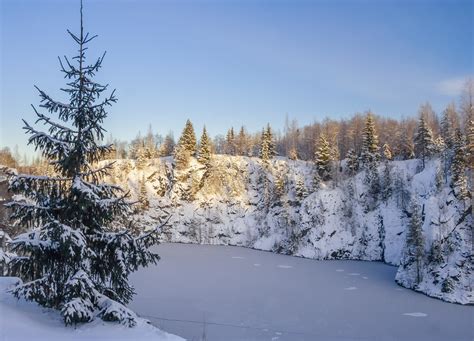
[{"x": 238, "y": 301}]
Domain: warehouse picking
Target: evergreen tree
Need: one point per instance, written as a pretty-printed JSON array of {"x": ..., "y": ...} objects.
[
  {"x": 141, "y": 155},
  {"x": 75, "y": 259},
  {"x": 293, "y": 154},
  {"x": 300, "y": 189},
  {"x": 370, "y": 157},
  {"x": 280, "y": 184},
  {"x": 470, "y": 143},
  {"x": 143, "y": 195},
  {"x": 181, "y": 156},
  {"x": 406, "y": 150},
  {"x": 271, "y": 142},
  {"x": 204, "y": 155},
  {"x": 458, "y": 168},
  {"x": 423, "y": 139},
  {"x": 322, "y": 158},
  {"x": 230, "y": 145},
  {"x": 439, "y": 146},
  {"x": 188, "y": 138},
  {"x": 387, "y": 152},
  {"x": 242, "y": 142},
  {"x": 449, "y": 124},
  {"x": 352, "y": 162},
  {"x": 316, "y": 181},
  {"x": 267, "y": 146},
  {"x": 369, "y": 141},
  {"x": 415, "y": 242},
  {"x": 168, "y": 145}
]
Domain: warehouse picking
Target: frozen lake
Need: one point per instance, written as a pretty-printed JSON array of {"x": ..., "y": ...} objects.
[{"x": 232, "y": 293}]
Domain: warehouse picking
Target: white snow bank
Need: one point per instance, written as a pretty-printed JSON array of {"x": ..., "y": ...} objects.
[{"x": 21, "y": 320}]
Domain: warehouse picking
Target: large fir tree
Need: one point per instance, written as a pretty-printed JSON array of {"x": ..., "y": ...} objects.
[{"x": 74, "y": 258}]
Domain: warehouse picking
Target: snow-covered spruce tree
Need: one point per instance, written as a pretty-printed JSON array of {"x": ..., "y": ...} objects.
[
  {"x": 423, "y": 139},
  {"x": 300, "y": 189},
  {"x": 370, "y": 158},
  {"x": 406, "y": 150},
  {"x": 204, "y": 154},
  {"x": 458, "y": 168},
  {"x": 188, "y": 138},
  {"x": 414, "y": 249},
  {"x": 168, "y": 145},
  {"x": 242, "y": 142},
  {"x": 74, "y": 258},
  {"x": 352, "y": 164},
  {"x": 449, "y": 124},
  {"x": 322, "y": 158},
  {"x": 293, "y": 153},
  {"x": 267, "y": 146},
  {"x": 186, "y": 146},
  {"x": 387, "y": 152},
  {"x": 370, "y": 142},
  {"x": 142, "y": 159},
  {"x": 470, "y": 142},
  {"x": 143, "y": 195},
  {"x": 230, "y": 143}
]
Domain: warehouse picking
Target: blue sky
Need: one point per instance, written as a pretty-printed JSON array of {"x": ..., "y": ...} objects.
[{"x": 228, "y": 63}]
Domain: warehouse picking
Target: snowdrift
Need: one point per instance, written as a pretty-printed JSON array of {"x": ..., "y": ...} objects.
[{"x": 22, "y": 321}]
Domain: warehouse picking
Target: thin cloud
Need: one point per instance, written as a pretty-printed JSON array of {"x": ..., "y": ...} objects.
[{"x": 452, "y": 86}]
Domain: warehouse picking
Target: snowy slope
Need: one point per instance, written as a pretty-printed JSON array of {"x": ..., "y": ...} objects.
[{"x": 21, "y": 320}]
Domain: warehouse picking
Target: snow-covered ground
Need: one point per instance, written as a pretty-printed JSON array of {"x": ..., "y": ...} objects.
[
  {"x": 234, "y": 293},
  {"x": 26, "y": 321}
]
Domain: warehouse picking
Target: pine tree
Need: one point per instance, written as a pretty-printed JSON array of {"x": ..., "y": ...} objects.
[
  {"x": 423, "y": 139},
  {"x": 415, "y": 242},
  {"x": 204, "y": 155},
  {"x": 458, "y": 168},
  {"x": 369, "y": 142},
  {"x": 322, "y": 158},
  {"x": 75, "y": 259}
]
